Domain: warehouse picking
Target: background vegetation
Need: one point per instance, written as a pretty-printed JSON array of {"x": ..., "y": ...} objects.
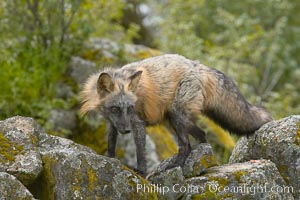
[{"x": 255, "y": 42}]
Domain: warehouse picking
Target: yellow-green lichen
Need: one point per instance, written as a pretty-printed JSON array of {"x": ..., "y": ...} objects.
[
  {"x": 297, "y": 138},
  {"x": 208, "y": 161},
  {"x": 96, "y": 140},
  {"x": 221, "y": 141},
  {"x": 207, "y": 195},
  {"x": 133, "y": 184},
  {"x": 239, "y": 174},
  {"x": 142, "y": 54},
  {"x": 43, "y": 187},
  {"x": 213, "y": 193},
  {"x": 223, "y": 137},
  {"x": 283, "y": 170},
  {"x": 97, "y": 57},
  {"x": 120, "y": 153},
  {"x": 76, "y": 177},
  {"x": 165, "y": 144},
  {"x": 8, "y": 150},
  {"x": 205, "y": 162},
  {"x": 221, "y": 181},
  {"x": 123, "y": 167},
  {"x": 92, "y": 179}
]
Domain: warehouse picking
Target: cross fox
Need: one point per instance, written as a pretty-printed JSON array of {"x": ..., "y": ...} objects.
[{"x": 168, "y": 88}]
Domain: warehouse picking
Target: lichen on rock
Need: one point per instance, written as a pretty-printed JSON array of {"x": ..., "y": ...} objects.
[
  {"x": 19, "y": 152},
  {"x": 276, "y": 141},
  {"x": 44, "y": 166},
  {"x": 249, "y": 180},
  {"x": 12, "y": 188},
  {"x": 200, "y": 158},
  {"x": 166, "y": 181},
  {"x": 74, "y": 171}
]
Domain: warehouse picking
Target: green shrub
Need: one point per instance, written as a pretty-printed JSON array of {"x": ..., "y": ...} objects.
[{"x": 37, "y": 40}]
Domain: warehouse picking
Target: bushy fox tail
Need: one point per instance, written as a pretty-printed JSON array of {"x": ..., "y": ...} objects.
[
  {"x": 252, "y": 119},
  {"x": 241, "y": 118},
  {"x": 260, "y": 115}
]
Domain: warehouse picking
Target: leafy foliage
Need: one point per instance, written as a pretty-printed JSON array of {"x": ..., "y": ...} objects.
[{"x": 37, "y": 39}]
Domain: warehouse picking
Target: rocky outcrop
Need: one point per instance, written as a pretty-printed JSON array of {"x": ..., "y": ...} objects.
[
  {"x": 34, "y": 164},
  {"x": 250, "y": 180},
  {"x": 200, "y": 158},
  {"x": 12, "y": 188},
  {"x": 59, "y": 168},
  {"x": 72, "y": 171},
  {"x": 198, "y": 161},
  {"x": 200, "y": 178},
  {"x": 19, "y": 149},
  {"x": 278, "y": 141}
]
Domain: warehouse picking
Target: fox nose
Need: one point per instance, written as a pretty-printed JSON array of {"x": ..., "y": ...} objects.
[{"x": 127, "y": 131}]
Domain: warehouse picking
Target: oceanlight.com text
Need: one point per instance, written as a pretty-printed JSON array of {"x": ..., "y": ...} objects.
[{"x": 252, "y": 190}]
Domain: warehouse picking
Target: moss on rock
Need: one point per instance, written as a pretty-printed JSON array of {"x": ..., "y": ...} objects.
[
  {"x": 12, "y": 188},
  {"x": 239, "y": 174},
  {"x": 18, "y": 149},
  {"x": 278, "y": 141},
  {"x": 72, "y": 171},
  {"x": 8, "y": 150},
  {"x": 208, "y": 161},
  {"x": 297, "y": 138},
  {"x": 234, "y": 181}
]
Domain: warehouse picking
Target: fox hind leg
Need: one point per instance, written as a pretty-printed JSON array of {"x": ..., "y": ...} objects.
[
  {"x": 198, "y": 134},
  {"x": 181, "y": 126}
]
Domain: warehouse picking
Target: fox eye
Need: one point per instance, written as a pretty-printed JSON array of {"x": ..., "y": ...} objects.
[
  {"x": 115, "y": 109},
  {"x": 130, "y": 109}
]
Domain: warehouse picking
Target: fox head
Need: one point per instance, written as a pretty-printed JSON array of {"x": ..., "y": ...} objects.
[{"x": 115, "y": 98}]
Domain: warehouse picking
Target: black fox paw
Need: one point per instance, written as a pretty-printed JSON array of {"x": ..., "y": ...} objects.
[
  {"x": 171, "y": 166},
  {"x": 140, "y": 172}
]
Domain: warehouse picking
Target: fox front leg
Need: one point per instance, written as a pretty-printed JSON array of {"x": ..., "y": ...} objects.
[
  {"x": 112, "y": 140},
  {"x": 140, "y": 142}
]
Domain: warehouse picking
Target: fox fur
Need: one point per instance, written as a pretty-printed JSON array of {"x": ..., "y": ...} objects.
[{"x": 168, "y": 88}]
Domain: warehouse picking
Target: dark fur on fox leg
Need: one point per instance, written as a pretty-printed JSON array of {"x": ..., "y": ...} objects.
[
  {"x": 112, "y": 140},
  {"x": 139, "y": 172},
  {"x": 181, "y": 126},
  {"x": 140, "y": 142},
  {"x": 198, "y": 134}
]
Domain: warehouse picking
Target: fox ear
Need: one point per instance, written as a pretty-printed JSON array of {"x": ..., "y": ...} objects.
[
  {"x": 105, "y": 84},
  {"x": 134, "y": 80}
]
